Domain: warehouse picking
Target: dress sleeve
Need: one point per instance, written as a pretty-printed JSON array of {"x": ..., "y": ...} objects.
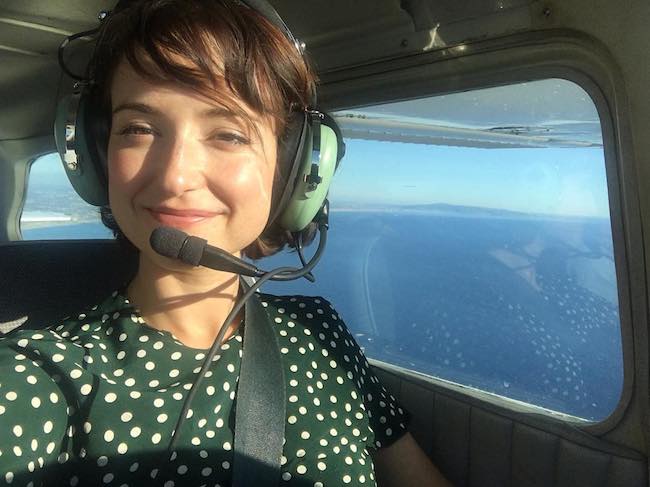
[
  {"x": 33, "y": 411},
  {"x": 387, "y": 419}
]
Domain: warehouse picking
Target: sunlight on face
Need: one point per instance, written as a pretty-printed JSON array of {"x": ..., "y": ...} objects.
[{"x": 177, "y": 159}]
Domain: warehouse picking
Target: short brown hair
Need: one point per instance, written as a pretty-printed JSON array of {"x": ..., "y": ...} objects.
[{"x": 212, "y": 47}]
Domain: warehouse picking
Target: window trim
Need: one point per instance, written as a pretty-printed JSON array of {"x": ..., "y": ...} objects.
[{"x": 522, "y": 58}]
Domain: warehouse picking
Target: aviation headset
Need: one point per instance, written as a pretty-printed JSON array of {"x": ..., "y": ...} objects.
[{"x": 314, "y": 145}]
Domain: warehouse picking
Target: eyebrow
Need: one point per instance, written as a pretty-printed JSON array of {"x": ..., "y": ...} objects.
[{"x": 149, "y": 110}]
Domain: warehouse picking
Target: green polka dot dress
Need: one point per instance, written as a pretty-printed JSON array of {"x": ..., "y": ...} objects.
[{"x": 94, "y": 400}]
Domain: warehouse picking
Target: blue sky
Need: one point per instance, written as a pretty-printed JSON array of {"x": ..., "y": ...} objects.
[{"x": 557, "y": 181}]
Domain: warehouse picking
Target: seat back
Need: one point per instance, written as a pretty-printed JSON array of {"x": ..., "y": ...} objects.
[{"x": 46, "y": 281}]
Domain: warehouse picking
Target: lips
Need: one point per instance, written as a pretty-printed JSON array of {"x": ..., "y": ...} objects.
[{"x": 181, "y": 218}]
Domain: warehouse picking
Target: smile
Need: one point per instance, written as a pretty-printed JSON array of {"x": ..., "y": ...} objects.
[{"x": 180, "y": 218}]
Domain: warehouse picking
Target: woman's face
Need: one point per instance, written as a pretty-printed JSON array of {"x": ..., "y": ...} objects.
[{"x": 176, "y": 159}]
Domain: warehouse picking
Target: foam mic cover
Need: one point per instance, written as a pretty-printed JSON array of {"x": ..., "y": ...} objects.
[{"x": 175, "y": 244}]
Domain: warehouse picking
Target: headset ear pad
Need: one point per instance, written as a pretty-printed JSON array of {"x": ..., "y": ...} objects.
[
  {"x": 307, "y": 199},
  {"x": 81, "y": 136}
]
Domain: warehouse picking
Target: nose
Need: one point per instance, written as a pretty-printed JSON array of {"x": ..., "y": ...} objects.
[{"x": 178, "y": 166}]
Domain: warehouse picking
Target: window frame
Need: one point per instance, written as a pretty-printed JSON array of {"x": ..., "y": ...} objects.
[
  {"x": 523, "y": 58},
  {"x": 21, "y": 208}
]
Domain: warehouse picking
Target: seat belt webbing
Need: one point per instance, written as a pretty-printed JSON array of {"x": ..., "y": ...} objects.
[{"x": 261, "y": 404}]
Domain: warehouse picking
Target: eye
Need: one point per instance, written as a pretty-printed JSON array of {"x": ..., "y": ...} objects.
[
  {"x": 136, "y": 130},
  {"x": 232, "y": 138}
]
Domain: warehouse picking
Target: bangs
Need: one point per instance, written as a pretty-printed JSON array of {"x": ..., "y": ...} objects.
[{"x": 219, "y": 50}]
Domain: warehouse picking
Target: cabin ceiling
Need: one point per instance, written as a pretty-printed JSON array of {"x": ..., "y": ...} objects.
[{"x": 338, "y": 33}]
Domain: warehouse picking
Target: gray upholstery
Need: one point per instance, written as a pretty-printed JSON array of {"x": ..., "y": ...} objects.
[
  {"x": 477, "y": 444},
  {"x": 45, "y": 281}
]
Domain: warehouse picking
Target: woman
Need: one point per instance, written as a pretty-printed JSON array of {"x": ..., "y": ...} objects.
[{"x": 197, "y": 96}]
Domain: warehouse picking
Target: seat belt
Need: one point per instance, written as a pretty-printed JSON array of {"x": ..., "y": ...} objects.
[{"x": 261, "y": 403}]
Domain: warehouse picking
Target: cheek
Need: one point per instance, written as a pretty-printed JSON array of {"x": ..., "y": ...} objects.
[
  {"x": 124, "y": 173},
  {"x": 248, "y": 187}
]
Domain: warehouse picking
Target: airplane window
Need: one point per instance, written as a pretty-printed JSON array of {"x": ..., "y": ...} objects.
[
  {"x": 470, "y": 240},
  {"x": 53, "y": 210}
]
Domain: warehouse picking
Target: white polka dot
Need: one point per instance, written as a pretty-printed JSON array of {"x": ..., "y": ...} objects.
[
  {"x": 18, "y": 430},
  {"x": 36, "y": 402},
  {"x": 305, "y": 435},
  {"x": 286, "y": 476},
  {"x": 225, "y": 465},
  {"x": 109, "y": 435},
  {"x": 150, "y": 365},
  {"x": 155, "y": 439},
  {"x": 86, "y": 389},
  {"x": 102, "y": 461},
  {"x": 110, "y": 397},
  {"x": 301, "y": 469},
  {"x": 126, "y": 416},
  {"x": 206, "y": 471},
  {"x": 57, "y": 357},
  {"x": 11, "y": 396},
  {"x": 47, "y": 427},
  {"x": 347, "y": 479},
  {"x": 122, "y": 448},
  {"x": 292, "y": 420},
  {"x": 135, "y": 432},
  {"x": 161, "y": 418},
  {"x": 321, "y": 466}
]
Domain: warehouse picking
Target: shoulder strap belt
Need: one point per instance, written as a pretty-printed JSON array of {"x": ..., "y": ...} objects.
[{"x": 261, "y": 406}]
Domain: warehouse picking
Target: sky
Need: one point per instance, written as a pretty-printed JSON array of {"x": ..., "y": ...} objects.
[{"x": 556, "y": 181}]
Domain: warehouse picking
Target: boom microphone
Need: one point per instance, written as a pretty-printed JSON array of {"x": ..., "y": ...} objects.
[{"x": 175, "y": 244}]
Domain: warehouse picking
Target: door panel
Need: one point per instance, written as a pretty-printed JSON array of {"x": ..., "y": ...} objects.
[{"x": 476, "y": 443}]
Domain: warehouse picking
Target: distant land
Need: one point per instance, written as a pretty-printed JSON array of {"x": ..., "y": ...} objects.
[{"x": 444, "y": 209}]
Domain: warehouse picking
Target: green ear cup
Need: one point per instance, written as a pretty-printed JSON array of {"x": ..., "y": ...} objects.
[{"x": 306, "y": 199}]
